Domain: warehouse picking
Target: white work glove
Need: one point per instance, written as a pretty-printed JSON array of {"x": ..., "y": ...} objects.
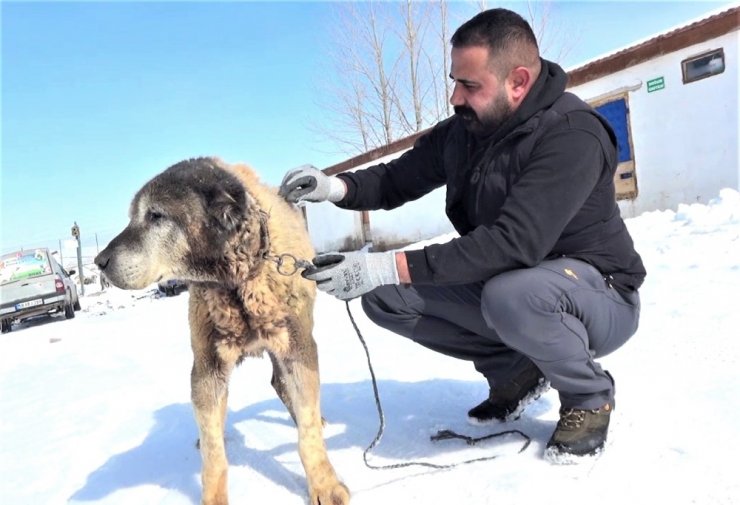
[
  {"x": 309, "y": 184},
  {"x": 349, "y": 275}
]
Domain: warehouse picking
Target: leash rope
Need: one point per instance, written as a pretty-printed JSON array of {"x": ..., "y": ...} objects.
[
  {"x": 287, "y": 264},
  {"x": 441, "y": 435}
]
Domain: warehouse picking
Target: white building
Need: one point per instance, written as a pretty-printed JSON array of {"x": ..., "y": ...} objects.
[{"x": 673, "y": 100}]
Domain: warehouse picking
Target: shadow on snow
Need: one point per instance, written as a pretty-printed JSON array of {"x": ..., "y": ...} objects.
[{"x": 414, "y": 411}]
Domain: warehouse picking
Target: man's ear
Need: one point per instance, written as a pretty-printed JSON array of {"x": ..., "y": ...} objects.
[
  {"x": 227, "y": 210},
  {"x": 518, "y": 84}
]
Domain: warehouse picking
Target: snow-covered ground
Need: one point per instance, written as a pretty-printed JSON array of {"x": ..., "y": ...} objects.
[{"x": 95, "y": 410}]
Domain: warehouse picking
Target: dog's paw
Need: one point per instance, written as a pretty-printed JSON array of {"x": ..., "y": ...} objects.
[{"x": 331, "y": 495}]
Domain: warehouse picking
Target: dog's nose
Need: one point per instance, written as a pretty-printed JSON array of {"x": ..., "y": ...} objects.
[{"x": 102, "y": 260}]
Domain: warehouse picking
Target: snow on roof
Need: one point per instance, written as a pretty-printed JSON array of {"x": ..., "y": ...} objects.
[
  {"x": 716, "y": 22},
  {"x": 713, "y": 14}
]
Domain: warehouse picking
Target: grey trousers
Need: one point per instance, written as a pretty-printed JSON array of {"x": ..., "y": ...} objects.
[{"x": 559, "y": 315}]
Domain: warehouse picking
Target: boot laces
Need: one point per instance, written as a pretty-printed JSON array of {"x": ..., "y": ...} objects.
[{"x": 572, "y": 419}]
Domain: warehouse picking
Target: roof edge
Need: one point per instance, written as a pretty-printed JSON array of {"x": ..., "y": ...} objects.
[
  {"x": 375, "y": 154},
  {"x": 699, "y": 31}
]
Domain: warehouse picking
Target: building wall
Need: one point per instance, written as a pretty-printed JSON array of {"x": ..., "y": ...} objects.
[{"x": 685, "y": 136}]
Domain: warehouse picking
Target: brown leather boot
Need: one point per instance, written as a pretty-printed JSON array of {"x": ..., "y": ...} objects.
[{"x": 580, "y": 432}]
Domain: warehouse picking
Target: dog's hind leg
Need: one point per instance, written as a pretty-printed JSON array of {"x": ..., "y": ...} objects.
[{"x": 299, "y": 374}]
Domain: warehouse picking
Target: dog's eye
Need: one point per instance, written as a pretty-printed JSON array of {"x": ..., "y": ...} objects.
[{"x": 153, "y": 216}]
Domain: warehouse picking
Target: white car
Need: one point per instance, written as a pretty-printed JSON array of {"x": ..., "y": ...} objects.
[{"x": 33, "y": 283}]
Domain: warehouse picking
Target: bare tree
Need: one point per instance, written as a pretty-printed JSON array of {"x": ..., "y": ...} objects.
[
  {"x": 437, "y": 97},
  {"x": 360, "y": 97},
  {"x": 387, "y": 83},
  {"x": 382, "y": 84},
  {"x": 411, "y": 40},
  {"x": 421, "y": 87},
  {"x": 555, "y": 40},
  {"x": 445, "y": 40},
  {"x": 389, "y": 79}
]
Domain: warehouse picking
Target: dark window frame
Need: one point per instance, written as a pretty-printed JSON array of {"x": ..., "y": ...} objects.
[{"x": 707, "y": 54}]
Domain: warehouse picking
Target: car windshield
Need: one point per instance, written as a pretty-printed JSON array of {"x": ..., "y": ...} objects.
[{"x": 24, "y": 265}]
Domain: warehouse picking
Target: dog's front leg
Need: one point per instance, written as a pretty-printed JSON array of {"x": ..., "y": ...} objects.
[
  {"x": 213, "y": 362},
  {"x": 209, "y": 390},
  {"x": 300, "y": 375}
]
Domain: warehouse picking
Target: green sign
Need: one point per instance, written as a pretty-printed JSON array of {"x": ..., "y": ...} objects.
[{"x": 655, "y": 84}]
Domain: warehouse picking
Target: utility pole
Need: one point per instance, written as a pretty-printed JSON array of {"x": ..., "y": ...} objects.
[{"x": 76, "y": 235}]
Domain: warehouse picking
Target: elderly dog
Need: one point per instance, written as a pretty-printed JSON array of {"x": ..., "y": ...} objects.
[{"x": 218, "y": 228}]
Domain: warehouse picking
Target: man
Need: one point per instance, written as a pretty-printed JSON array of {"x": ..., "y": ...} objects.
[{"x": 544, "y": 276}]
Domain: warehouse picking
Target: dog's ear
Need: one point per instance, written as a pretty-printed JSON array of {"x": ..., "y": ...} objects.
[{"x": 227, "y": 210}]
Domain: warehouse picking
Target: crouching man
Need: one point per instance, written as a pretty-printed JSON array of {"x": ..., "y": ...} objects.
[{"x": 544, "y": 277}]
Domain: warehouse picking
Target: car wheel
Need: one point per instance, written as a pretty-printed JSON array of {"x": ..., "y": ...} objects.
[
  {"x": 7, "y": 325},
  {"x": 69, "y": 311}
]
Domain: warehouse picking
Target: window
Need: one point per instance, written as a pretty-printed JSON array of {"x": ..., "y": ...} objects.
[
  {"x": 616, "y": 111},
  {"x": 703, "y": 65},
  {"x": 24, "y": 265}
]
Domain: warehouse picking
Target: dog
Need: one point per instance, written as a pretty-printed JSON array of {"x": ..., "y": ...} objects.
[{"x": 232, "y": 239}]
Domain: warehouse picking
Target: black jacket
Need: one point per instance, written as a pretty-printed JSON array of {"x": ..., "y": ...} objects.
[{"x": 540, "y": 187}]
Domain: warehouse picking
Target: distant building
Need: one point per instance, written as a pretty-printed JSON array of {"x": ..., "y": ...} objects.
[{"x": 673, "y": 101}]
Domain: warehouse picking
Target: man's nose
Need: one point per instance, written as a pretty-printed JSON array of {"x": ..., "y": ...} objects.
[{"x": 456, "y": 99}]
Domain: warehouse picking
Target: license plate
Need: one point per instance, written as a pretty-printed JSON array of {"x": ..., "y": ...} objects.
[{"x": 30, "y": 303}]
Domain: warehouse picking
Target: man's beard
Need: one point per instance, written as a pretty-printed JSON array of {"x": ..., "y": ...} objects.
[{"x": 490, "y": 119}]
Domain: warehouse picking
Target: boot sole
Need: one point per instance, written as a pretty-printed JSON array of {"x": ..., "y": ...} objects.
[
  {"x": 542, "y": 387},
  {"x": 555, "y": 456}
]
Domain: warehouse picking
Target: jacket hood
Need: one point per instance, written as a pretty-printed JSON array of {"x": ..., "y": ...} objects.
[{"x": 549, "y": 86}]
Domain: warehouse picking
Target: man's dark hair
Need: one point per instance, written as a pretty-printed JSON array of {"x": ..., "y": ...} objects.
[{"x": 508, "y": 37}]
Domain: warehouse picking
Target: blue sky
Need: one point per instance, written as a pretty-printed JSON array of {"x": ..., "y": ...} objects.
[{"x": 98, "y": 97}]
